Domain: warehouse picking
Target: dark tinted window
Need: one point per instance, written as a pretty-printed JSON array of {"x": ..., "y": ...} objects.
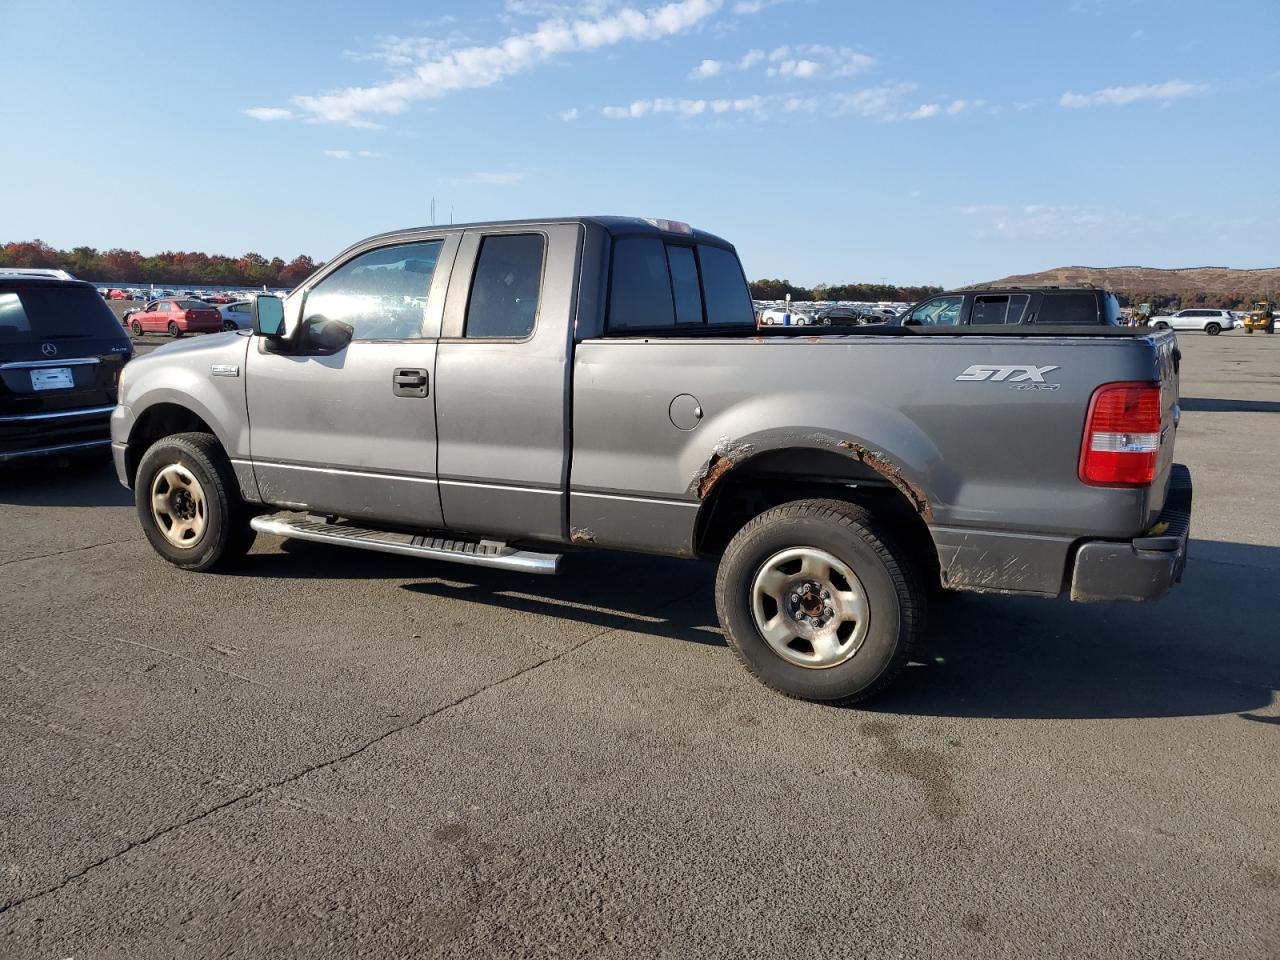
[
  {"x": 1004, "y": 308},
  {"x": 640, "y": 294},
  {"x": 506, "y": 286},
  {"x": 54, "y": 313},
  {"x": 727, "y": 298},
  {"x": 684, "y": 284},
  {"x": 989, "y": 310},
  {"x": 192, "y": 304},
  {"x": 380, "y": 295},
  {"x": 1077, "y": 308}
]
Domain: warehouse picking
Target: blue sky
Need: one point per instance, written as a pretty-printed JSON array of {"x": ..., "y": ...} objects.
[{"x": 830, "y": 141}]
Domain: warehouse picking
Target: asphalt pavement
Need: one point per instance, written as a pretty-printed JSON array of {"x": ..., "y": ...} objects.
[{"x": 329, "y": 753}]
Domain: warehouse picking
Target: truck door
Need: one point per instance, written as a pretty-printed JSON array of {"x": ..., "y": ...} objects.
[
  {"x": 342, "y": 417},
  {"x": 502, "y": 381}
]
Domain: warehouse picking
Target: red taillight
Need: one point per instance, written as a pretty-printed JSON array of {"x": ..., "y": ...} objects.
[{"x": 1121, "y": 435}]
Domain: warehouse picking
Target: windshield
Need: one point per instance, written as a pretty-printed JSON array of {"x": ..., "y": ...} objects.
[
  {"x": 192, "y": 304},
  {"x": 53, "y": 313}
]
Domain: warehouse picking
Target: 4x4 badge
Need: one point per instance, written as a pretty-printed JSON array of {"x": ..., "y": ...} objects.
[{"x": 48, "y": 349}]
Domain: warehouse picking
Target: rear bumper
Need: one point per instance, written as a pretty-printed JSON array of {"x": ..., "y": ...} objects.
[
  {"x": 54, "y": 433},
  {"x": 1144, "y": 568}
]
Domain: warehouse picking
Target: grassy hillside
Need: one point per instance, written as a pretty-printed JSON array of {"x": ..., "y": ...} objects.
[{"x": 1188, "y": 287}]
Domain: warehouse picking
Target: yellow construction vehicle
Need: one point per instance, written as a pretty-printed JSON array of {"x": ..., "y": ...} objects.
[{"x": 1260, "y": 318}]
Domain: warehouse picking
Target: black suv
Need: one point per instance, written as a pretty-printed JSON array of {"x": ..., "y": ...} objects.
[
  {"x": 61, "y": 353},
  {"x": 999, "y": 306}
]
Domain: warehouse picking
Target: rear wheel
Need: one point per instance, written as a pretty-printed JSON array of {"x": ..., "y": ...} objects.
[
  {"x": 189, "y": 503},
  {"x": 174, "y": 330},
  {"x": 819, "y": 602},
  {"x": 229, "y": 325},
  {"x": 1213, "y": 329}
]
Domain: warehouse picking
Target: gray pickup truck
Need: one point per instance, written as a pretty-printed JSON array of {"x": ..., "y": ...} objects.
[{"x": 502, "y": 394}]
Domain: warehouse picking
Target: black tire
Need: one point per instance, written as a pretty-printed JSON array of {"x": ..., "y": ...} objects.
[
  {"x": 1213, "y": 329},
  {"x": 229, "y": 325},
  {"x": 175, "y": 331},
  {"x": 136, "y": 327},
  {"x": 895, "y": 598},
  {"x": 1162, "y": 326},
  {"x": 226, "y": 536}
]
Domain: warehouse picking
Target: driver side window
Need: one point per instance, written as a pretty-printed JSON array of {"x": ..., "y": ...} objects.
[
  {"x": 939, "y": 312},
  {"x": 379, "y": 295}
]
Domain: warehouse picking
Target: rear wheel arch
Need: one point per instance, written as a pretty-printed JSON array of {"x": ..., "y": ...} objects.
[{"x": 752, "y": 486}]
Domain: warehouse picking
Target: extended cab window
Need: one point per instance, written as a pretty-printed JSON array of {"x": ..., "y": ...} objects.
[
  {"x": 505, "y": 287},
  {"x": 379, "y": 295},
  {"x": 1068, "y": 308},
  {"x": 1005, "y": 308}
]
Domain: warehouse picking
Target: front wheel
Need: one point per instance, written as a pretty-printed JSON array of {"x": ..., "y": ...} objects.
[
  {"x": 136, "y": 327},
  {"x": 819, "y": 602},
  {"x": 1162, "y": 326},
  {"x": 189, "y": 503},
  {"x": 175, "y": 331},
  {"x": 1213, "y": 329}
]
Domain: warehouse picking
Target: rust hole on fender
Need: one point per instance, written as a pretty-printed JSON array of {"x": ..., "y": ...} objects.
[{"x": 891, "y": 473}]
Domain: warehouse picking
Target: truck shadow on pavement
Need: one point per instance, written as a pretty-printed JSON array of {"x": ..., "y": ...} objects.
[
  {"x": 1208, "y": 648},
  {"x": 1219, "y": 405},
  {"x": 75, "y": 482}
]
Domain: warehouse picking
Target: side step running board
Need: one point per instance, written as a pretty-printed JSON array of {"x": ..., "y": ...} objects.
[{"x": 483, "y": 553}]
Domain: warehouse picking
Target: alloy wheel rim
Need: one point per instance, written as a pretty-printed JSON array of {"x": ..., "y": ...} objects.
[
  {"x": 810, "y": 607},
  {"x": 179, "y": 506}
]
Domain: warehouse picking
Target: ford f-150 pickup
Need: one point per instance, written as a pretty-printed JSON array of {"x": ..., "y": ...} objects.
[{"x": 501, "y": 394}]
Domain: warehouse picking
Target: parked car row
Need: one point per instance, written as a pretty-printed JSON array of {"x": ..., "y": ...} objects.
[
  {"x": 178, "y": 317},
  {"x": 217, "y": 297}
]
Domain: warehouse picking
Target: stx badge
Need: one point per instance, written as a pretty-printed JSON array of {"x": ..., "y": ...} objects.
[{"x": 1012, "y": 374}]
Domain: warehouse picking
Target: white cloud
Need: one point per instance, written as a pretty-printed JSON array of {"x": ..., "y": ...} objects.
[
  {"x": 1043, "y": 220},
  {"x": 1118, "y": 96},
  {"x": 806, "y": 60},
  {"x": 443, "y": 71},
  {"x": 875, "y": 103},
  {"x": 750, "y": 59},
  {"x": 746, "y": 7},
  {"x": 924, "y": 111},
  {"x": 570, "y": 114},
  {"x": 707, "y": 68},
  {"x": 685, "y": 107},
  {"x": 268, "y": 113},
  {"x": 348, "y": 154},
  {"x": 506, "y": 179},
  {"x": 882, "y": 103},
  {"x": 1138, "y": 34}
]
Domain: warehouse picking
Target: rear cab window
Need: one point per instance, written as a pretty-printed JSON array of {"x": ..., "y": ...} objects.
[
  {"x": 1077, "y": 309},
  {"x": 53, "y": 312},
  {"x": 659, "y": 284}
]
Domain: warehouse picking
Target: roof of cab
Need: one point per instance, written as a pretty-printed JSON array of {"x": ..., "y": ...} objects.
[{"x": 612, "y": 224}]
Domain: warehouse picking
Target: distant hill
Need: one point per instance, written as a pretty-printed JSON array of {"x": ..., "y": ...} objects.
[{"x": 1187, "y": 286}]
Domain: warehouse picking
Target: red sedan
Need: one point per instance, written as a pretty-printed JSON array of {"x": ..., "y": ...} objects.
[{"x": 175, "y": 317}]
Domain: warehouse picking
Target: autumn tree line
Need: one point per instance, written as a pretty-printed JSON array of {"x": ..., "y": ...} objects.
[
  {"x": 181, "y": 268},
  {"x": 168, "y": 268}
]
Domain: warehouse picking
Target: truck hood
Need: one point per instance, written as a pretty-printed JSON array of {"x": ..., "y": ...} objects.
[{"x": 212, "y": 343}]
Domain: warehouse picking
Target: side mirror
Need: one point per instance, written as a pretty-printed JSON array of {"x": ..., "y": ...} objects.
[{"x": 267, "y": 312}]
